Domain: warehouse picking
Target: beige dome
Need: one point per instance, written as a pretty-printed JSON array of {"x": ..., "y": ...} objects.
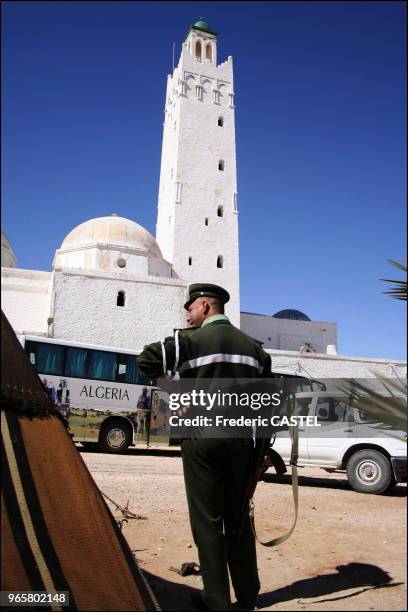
[{"x": 112, "y": 231}]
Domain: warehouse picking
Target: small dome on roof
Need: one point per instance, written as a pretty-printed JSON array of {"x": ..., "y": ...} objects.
[
  {"x": 293, "y": 315},
  {"x": 203, "y": 25}
]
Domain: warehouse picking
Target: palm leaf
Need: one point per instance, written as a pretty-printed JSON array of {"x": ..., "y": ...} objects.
[
  {"x": 389, "y": 407},
  {"x": 399, "y": 291}
]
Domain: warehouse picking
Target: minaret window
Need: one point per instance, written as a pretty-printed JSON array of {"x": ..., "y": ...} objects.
[
  {"x": 206, "y": 221},
  {"x": 220, "y": 261},
  {"x": 120, "y": 300},
  {"x": 198, "y": 50},
  {"x": 221, "y": 165},
  {"x": 221, "y": 121},
  {"x": 190, "y": 261},
  {"x": 220, "y": 211},
  {"x": 208, "y": 52}
]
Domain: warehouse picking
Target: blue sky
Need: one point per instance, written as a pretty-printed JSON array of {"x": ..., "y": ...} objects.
[{"x": 321, "y": 142}]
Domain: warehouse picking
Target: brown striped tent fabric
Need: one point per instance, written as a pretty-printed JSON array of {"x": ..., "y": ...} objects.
[{"x": 57, "y": 532}]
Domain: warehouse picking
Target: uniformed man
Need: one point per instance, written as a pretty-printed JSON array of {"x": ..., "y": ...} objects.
[{"x": 215, "y": 469}]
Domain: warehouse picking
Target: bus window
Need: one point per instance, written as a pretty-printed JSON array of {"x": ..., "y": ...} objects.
[
  {"x": 124, "y": 373},
  {"x": 50, "y": 359},
  {"x": 31, "y": 351},
  {"x": 128, "y": 370},
  {"x": 102, "y": 365},
  {"x": 75, "y": 362}
]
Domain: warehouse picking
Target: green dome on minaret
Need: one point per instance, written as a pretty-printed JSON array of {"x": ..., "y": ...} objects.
[{"x": 203, "y": 26}]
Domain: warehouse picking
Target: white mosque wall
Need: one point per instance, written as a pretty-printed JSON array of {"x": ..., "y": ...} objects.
[
  {"x": 24, "y": 299},
  {"x": 289, "y": 334},
  {"x": 314, "y": 365},
  {"x": 110, "y": 258},
  {"x": 81, "y": 306},
  {"x": 86, "y": 310}
]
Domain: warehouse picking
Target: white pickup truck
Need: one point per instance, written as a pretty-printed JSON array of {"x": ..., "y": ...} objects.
[{"x": 373, "y": 455}]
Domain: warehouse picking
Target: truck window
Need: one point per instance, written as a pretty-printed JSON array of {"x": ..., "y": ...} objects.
[
  {"x": 303, "y": 405},
  {"x": 330, "y": 410}
]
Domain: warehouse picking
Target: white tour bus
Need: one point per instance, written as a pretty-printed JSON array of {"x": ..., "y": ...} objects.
[{"x": 100, "y": 389}]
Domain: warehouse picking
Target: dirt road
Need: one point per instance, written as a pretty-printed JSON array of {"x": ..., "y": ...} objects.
[{"x": 347, "y": 553}]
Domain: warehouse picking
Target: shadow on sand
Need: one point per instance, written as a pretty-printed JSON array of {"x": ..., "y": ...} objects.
[
  {"x": 171, "y": 595},
  {"x": 360, "y": 576}
]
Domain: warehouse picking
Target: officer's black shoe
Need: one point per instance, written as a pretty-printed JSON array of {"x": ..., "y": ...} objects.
[
  {"x": 241, "y": 607},
  {"x": 198, "y": 602}
]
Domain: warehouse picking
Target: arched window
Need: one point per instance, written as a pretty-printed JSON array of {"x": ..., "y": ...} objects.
[
  {"x": 221, "y": 121},
  {"x": 120, "y": 300},
  {"x": 206, "y": 221},
  {"x": 220, "y": 261},
  {"x": 221, "y": 165},
  {"x": 208, "y": 52},
  {"x": 220, "y": 211},
  {"x": 190, "y": 261},
  {"x": 198, "y": 49}
]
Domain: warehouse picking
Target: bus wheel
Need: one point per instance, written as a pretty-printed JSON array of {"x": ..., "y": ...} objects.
[{"x": 115, "y": 437}]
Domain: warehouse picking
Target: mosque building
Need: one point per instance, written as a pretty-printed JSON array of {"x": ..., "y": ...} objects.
[{"x": 114, "y": 284}]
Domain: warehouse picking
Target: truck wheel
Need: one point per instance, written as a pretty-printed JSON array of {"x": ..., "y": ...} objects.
[
  {"x": 115, "y": 437},
  {"x": 369, "y": 471}
]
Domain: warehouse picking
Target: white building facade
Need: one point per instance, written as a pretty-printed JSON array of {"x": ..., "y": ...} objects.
[{"x": 291, "y": 330}]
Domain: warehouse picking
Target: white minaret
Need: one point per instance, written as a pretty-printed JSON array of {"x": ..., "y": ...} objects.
[{"x": 197, "y": 220}]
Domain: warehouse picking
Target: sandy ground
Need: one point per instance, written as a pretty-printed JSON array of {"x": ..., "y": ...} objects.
[{"x": 348, "y": 551}]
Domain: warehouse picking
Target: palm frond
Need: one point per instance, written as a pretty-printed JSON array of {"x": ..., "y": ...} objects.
[
  {"x": 388, "y": 407},
  {"x": 399, "y": 291},
  {"x": 398, "y": 265}
]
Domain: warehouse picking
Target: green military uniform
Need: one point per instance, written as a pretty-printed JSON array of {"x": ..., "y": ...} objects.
[{"x": 215, "y": 470}]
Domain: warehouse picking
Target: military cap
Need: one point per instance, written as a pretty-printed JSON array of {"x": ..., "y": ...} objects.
[{"x": 206, "y": 290}]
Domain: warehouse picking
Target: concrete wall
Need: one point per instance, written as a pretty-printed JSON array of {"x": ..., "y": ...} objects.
[
  {"x": 25, "y": 297},
  {"x": 85, "y": 308},
  {"x": 316, "y": 365},
  {"x": 285, "y": 334}
]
